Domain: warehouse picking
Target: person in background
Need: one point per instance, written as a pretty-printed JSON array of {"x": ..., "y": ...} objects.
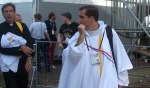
[
  {"x": 18, "y": 18},
  {"x": 51, "y": 27},
  {"x": 39, "y": 32},
  {"x": 67, "y": 30},
  {"x": 146, "y": 24}
]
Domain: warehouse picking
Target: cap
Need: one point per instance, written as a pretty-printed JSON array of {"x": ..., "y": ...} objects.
[{"x": 67, "y": 14}]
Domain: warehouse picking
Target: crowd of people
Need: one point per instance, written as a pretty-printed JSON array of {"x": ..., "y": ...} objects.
[{"x": 87, "y": 56}]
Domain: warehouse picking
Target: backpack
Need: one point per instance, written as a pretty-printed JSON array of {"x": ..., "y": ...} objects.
[
  {"x": 20, "y": 26},
  {"x": 110, "y": 38}
]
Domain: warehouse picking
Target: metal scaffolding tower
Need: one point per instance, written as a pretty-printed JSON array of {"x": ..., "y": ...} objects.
[{"x": 131, "y": 19}]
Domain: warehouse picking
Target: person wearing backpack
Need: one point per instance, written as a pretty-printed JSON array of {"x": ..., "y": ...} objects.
[
  {"x": 95, "y": 56},
  {"x": 18, "y": 53}
]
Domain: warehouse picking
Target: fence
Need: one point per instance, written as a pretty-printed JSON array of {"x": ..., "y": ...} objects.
[
  {"x": 140, "y": 57},
  {"x": 139, "y": 76},
  {"x": 46, "y": 72}
]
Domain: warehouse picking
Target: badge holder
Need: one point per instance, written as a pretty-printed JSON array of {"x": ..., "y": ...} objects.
[{"x": 95, "y": 59}]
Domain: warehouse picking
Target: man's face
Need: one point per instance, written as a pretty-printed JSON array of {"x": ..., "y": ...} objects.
[
  {"x": 54, "y": 17},
  {"x": 83, "y": 19},
  {"x": 9, "y": 14},
  {"x": 18, "y": 18},
  {"x": 64, "y": 19}
]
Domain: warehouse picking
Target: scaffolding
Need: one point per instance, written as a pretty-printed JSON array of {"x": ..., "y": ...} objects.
[{"x": 131, "y": 19}]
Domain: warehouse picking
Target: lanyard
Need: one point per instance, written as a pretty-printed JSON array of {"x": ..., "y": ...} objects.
[
  {"x": 52, "y": 24},
  {"x": 99, "y": 45}
]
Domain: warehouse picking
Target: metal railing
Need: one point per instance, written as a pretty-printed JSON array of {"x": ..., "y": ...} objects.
[{"x": 140, "y": 58}]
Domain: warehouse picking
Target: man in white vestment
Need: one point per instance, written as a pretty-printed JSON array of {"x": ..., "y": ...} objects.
[{"x": 88, "y": 60}]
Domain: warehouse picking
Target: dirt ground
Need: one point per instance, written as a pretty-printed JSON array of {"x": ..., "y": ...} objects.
[
  {"x": 139, "y": 77},
  {"x": 44, "y": 79},
  {"x": 2, "y": 83},
  {"x": 49, "y": 79}
]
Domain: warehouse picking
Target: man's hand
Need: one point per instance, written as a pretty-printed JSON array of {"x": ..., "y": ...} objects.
[
  {"x": 120, "y": 86},
  {"x": 26, "y": 50},
  {"x": 81, "y": 29},
  {"x": 28, "y": 64},
  {"x": 50, "y": 44},
  {"x": 61, "y": 46}
]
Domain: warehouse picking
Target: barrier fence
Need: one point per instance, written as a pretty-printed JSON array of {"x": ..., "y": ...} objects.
[
  {"x": 46, "y": 71},
  {"x": 44, "y": 75},
  {"x": 139, "y": 76}
]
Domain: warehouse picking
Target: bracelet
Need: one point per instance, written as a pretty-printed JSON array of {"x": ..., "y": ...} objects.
[{"x": 20, "y": 48}]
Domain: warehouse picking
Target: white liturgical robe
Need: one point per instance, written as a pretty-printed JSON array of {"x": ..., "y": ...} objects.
[{"x": 78, "y": 70}]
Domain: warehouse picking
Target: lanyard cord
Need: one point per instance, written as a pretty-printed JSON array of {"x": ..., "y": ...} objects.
[
  {"x": 101, "y": 40},
  {"x": 99, "y": 45},
  {"x": 86, "y": 43}
]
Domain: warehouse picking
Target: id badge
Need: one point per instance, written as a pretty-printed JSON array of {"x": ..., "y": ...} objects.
[
  {"x": 66, "y": 41},
  {"x": 95, "y": 59},
  {"x": 52, "y": 32}
]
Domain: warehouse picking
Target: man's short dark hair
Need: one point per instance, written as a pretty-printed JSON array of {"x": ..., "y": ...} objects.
[
  {"x": 9, "y": 4},
  {"x": 91, "y": 11},
  {"x": 51, "y": 14},
  {"x": 38, "y": 16}
]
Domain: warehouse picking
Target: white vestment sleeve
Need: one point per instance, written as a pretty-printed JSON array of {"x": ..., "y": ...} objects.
[
  {"x": 123, "y": 78},
  {"x": 122, "y": 60},
  {"x": 76, "y": 52}
]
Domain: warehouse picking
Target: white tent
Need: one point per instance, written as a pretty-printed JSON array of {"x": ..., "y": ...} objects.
[
  {"x": 26, "y": 8},
  {"x": 90, "y": 2},
  {"x": 14, "y": 1}
]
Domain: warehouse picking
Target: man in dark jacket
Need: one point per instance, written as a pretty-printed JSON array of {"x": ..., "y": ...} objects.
[
  {"x": 51, "y": 27},
  {"x": 17, "y": 79}
]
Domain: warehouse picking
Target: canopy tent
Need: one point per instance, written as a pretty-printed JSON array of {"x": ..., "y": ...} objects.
[
  {"x": 90, "y": 2},
  {"x": 14, "y": 1},
  {"x": 26, "y": 8}
]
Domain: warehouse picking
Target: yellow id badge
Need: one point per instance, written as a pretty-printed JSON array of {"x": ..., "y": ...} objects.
[{"x": 95, "y": 59}]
